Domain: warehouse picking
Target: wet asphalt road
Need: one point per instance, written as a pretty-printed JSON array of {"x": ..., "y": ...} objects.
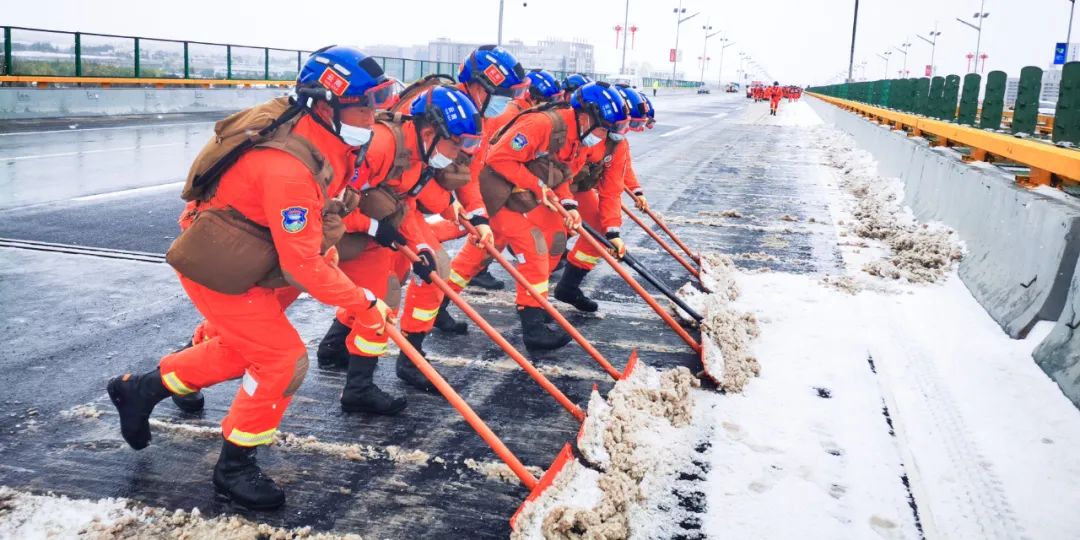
[{"x": 72, "y": 321}]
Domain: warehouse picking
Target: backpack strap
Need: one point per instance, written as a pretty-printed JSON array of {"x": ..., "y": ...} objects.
[
  {"x": 543, "y": 107},
  {"x": 558, "y": 132},
  {"x": 304, "y": 151},
  {"x": 402, "y": 155}
]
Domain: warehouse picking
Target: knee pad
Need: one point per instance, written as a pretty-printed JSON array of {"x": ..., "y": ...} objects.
[
  {"x": 558, "y": 244},
  {"x": 393, "y": 292},
  {"x": 300, "y": 369},
  {"x": 442, "y": 263},
  {"x": 538, "y": 241}
]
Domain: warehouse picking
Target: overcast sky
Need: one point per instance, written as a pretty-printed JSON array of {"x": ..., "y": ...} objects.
[{"x": 796, "y": 41}]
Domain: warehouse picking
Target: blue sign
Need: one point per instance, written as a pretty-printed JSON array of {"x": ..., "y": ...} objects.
[{"x": 1060, "y": 52}]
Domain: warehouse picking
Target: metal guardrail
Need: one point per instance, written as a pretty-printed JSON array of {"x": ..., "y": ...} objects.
[
  {"x": 1048, "y": 164},
  {"x": 44, "y": 57}
]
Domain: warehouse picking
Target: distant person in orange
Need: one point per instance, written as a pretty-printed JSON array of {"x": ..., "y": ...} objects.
[{"x": 774, "y": 93}]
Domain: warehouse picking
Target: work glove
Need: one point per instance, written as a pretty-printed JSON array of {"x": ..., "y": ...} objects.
[
  {"x": 385, "y": 234},
  {"x": 425, "y": 265},
  {"x": 618, "y": 248},
  {"x": 483, "y": 235},
  {"x": 376, "y": 317},
  {"x": 350, "y": 199},
  {"x": 453, "y": 212},
  {"x": 572, "y": 220},
  {"x": 640, "y": 202}
]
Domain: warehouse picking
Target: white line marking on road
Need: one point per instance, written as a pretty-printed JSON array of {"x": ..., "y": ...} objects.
[
  {"x": 680, "y": 130},
  {"x": 77, "y": 130},
  {"x": 82, "y": 152},
  {"x": 720, "y": 115},
  {"x": 132, "y": 191}
]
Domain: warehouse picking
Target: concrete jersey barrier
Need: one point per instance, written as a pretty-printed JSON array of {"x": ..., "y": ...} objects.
[{"x": 1022, "y": 245}]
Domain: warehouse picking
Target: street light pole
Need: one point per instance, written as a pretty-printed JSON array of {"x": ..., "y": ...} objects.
[
  {"x": 854, "y": 26},
  {"x": 626, "y": 24},
  {"x": 885, "y": 57},
  {"x": 678, "y": 24},
  {"x": 705, "y": 49},
  {"x": 903, "y": 50},
  {"x": 1068, "y": 35},
  {"x": 933, "y": 47},
  {"x": 720, "y": 82},
  {"x": 980, "y": 15},
  {"x": 501, "y": 2}
]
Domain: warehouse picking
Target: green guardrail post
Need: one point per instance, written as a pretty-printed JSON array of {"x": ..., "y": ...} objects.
[
  {"x": 137, "y": 67},
  {"x": 1067, "y": 114},
  {"x": 886, "y": 91},
  {"x": 187, "y": 62},
  {"x": 947, "y": 112},
  {"x": 933, "y": 99},
  {"x": 922, "y": 95},
  {"x": 78, "y": 54},
  {"x": 266, "y": 64},
  {"x": 969, "y": 99},
  {"x": 1026, "y": 108},
  {"x": 7, "y": 50},
  {"x": 993, "y": 101},
  {"x": 228, "y": 61}
]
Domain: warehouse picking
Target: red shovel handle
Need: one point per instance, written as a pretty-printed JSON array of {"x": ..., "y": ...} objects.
[
  {"x": 667, "y": 231},
  {"x": 500, "y": 341},
  {"x": 544, "y": 303},
  {"x": 462, "y": 407},
  {"x": 667, "y": 247},
  {"x": 632, "y": 282}
]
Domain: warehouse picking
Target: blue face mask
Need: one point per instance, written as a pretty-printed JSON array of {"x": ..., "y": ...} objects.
[{"x": 496, "y": 106}]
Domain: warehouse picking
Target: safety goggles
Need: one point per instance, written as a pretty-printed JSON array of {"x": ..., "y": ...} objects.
[
  {"x": 376, "y": 97},
  {"x": 516, "y": 92},
  {"x": 620, "y": 127},
  {"x": 638, "y": 124},
  {"x": 468, "y": 143}
]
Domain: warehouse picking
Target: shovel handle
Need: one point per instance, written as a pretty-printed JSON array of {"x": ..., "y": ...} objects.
[
  {"x": 618, "y": 268},
  {"x": 546, "y": 304},
  {"x": 470, "y": 416},
  {"x": 495, "y": 336},
  {"x": 667, "y": 247},
  {"x": 667, "y": 231}
]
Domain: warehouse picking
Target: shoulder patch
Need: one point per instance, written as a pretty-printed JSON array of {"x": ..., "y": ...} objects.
[
  {"x": 518, "y": 142},
  {"x": 607, "y": 160},
  {"x": 294, "y": 219}
]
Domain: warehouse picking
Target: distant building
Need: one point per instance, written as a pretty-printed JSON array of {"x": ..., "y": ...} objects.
[
  {"x": 1051, "y": 87},
  {"x": 550, "y": 54}
]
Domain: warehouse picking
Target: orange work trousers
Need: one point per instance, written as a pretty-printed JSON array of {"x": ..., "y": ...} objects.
[
  {"x": 584, "y": 255},
  {"x": 253, "y": 340}
]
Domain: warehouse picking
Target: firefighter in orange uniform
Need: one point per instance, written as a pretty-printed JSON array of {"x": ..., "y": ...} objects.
[
  {"x": 280, "y": 187},
  {"x": 774, "y": 94},
  {"x": 598, "y": 189}
]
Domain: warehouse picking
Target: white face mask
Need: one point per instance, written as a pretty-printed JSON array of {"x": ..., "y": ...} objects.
[
  {"x": 591, "y": 140},
  {"x": 439, "y": 161},
  {"x": 496, "y": 106},
  {"x": 354, "y": 136},
  {"x": 616, "y": 136}
]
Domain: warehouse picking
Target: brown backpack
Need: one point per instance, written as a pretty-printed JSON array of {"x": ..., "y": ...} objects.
[
  {"x": 222, "y": 249},
  {"x": 498, "y": 192},
  {"x": 589, "y": 175},
  {"x": 383, "y": 202}
]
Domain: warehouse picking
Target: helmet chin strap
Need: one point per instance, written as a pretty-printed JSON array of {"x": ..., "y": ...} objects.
[{"x": 428, "y": 171}]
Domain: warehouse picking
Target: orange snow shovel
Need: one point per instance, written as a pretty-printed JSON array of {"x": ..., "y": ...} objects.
[
  {"x": 667, "y": 247},
  {"x": 550, "y": 309},
  {"x": 614, "y": 263},
  {"x": 498, "y": 339},
  {"x": 660, "y": 222},
  {"x": 536, "y": 487}
]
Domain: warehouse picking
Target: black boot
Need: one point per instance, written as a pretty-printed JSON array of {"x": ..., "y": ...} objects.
[
  {"x": 190, "y": 403},
  {"x": 562, "y": 263},
  {"x": 135, "y": 397},
  {"x": 569, "y": 289},
  {"x": 446, "y": 323},
  {"x": 238, "y": 476},
  {"x": 485, "y": 280},
  {"x": 332, "y": 353},
  {"x": 407, "y": 371},
  {"x": 538, "y": 335},
  {"x": 362, "y": 395}
]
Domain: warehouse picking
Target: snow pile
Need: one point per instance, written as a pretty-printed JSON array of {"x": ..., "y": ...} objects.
[
  {"x": 726, "y": 331},
  {"x": 636, "y": 442},
  {"x": 918, "y": 253},
  {"x": 24, "y": 515}
]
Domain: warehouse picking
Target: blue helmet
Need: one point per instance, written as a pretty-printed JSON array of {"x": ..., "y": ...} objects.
[
  {"x": 452, "y": 114},
  {"x": 603, "y": 104},
  {"x": 650, "y": 112},
  {"x": 639, "y": 109},
  {"x": 544, "y": 86},
  {"x": 343, "y": 76},
  {"x": 574, "y": 81},
  {"x": 496, "y": 70}
]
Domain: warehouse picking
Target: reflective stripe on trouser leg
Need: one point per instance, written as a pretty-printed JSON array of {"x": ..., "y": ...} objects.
[
  {"x": 254, "y": 340},
  {"x": 584, "y": 255}
]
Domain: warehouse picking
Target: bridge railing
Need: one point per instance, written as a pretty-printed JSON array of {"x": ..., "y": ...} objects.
[{"x": 968, "y": 102}]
